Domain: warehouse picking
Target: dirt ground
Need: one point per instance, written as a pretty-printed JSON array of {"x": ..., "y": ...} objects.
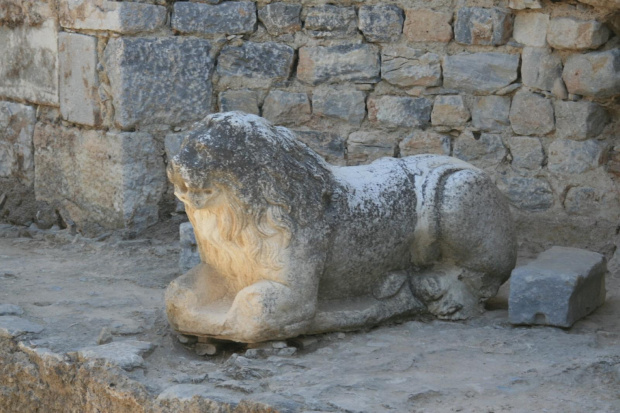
[{"x": 74, "y": 287}]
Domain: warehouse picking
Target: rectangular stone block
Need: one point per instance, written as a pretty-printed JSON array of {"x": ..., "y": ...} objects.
[
  {"x": 159, "y": 80},
  {"x": 421, "y": 142},
  {"x": 365, "y": 147},
  {"x": 358, "y": 63},
  {"x": 531, "y": 114},
  {"x": 527, "y": 152},
  {"x": 530, "y": 29},
  {"x": 480, "y": 73},
  {"x": 397, "y": 111},
  {"x": 428, "y": 26},
  {"x": 541, "y": 69},
  {"x": 348, "y": 105},
  {"x": 560, "y": 287},
  {"x": 381, "y": 23},
  {"x": 79, "y": 82},
  {"x": 570, "y": 33},
  {"x": 16, "y": 151},
  {"x": 407, "y": 67},
  {"x": 237, "y": 17},
  {"x": 449, "y": 110},
  {"x": 329, "y": 21},
  {"x": 286, "y": 108},
  {"x": 478, "y": 25},
  {"x": 529, "y": 194},
  {"x": 488, "y": 151},
  {"x": 244, "y": 100},
  {"x": 329, "y": 145},
  {"x": 280, "y": 18},
  {"x": 566, "y": 156},
  {"x": 593, "y": 74},
  {"x": 491, "y": 113},
  {"x": 102, "y": 180},
  {"x": 580, "y": 120}
]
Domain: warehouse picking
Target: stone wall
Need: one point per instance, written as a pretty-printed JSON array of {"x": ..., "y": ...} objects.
[{"x": 94, "y": 92}]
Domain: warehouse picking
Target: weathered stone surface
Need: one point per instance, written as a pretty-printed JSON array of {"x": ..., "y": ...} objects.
[
  {"x": 612, "y": 4},
  {"x": 558, "y": 288},
  {"x": 286, "y": 108},
  {"x": 280, "y": 18},
  {"x": 407, "y": 67},
  {"x": 125, "y": 354},
  {"x": 365, "y": 147},
  {"x": 491, "y": 113},
  {"x": 527, "y": 152},
  {"x": 530, "y": 29},
  {"x": 102, "y": 180},
  {"x": 584, "y": 200},
  {"x": 159, "y": 80},
  {"x": 237, "y": 17},
  {"x": 329, "y": 145},
  {"x": 572, "y": 157},
  {"x": 397, "y": 111},
  {"x": 477, "y": 25},
  {"x": 263, "y": 62},
  {"x": 541, "y": 69},
  {"x": 481, "y": 73},
  {"x": 10, "y": 309},
  {"x": 79, "y": 83},
  {"x": 244, "y": 100},
  {"x": 593, "y": 74},
  {"x": 381, "y": 23},
  {"x": 579, "y": 120},
  {"x": 570, "y": 33},
  {"x": 11, "y": 326},
  {"x": 428, "y": 26},
  {"x": 449, "y": 110},
  {"x": 121, "y": 17},
  {"x": 524, "y": 4},
  {"x": 529, "y": 194},
  {"x": 189, "y": 256},
  {"x": 421, "y": 142},
  {"x": 531, "y": 114},
  {"x": 358, "y": 63},
  {"x": 16, "y": 150},
  {"x": 344, "y": 104},
  {"x": 331, "y": 21},
  {"x": 485, "y": 152}
]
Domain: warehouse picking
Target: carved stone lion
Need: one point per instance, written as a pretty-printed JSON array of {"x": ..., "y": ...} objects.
[{"x": 292, "y": 245}]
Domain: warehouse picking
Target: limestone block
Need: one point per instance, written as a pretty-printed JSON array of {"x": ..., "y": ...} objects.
[
  {"x": 558, "y": 288},
  {"x": 365, "y": 147},
  {"x": 407, "y": 67},
  {"x": 491, "y": 113},
  {"x": 286, "y": 108},
  {"x": 531, "y": 114},
  {"x": 477, "y": 25},
  {"x": 159, "y": 80},
  {"x": 280, "y": 18},
  {"x": 485, "y": 152},
  {"x": 428, "y": 26},
  {"x": 189, "y": 256},
  {"x": 541, "y": 69},
  {"x": 524, "y": 4},
  {"x": 530, "y": 29},
  {"x": 527, "y": 152},
  {"x": 16, "y": 151},
  {"x": 579, "y": 120},
  {"x": 244, "y": 100},
  {"x": 345, "y": 104},
  {"x": 79, "y": 82},
  {"x": 121, "y": 17},
  {"x": 397, "y": 111},
  {"x": 381, "y": 23},
  {"x": 329, "y": 145},
  {"x": 103, "y": 180},
  {"x": 572, "y": 157},
  {"x": 421, "y": 142},
  {"x": 449, "y": 110},
  {"x": 237, "y": 17},
  {"x": 358, "y": 63},
  {"x": 329, "y": 21},
  {"x": 480, "y": 73},
  {"x": 570, "y": 33},
  {"x": 529, "y": 194},
  {"x": 593, "y": 74}
]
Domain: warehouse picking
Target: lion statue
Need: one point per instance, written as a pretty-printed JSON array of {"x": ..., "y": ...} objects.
[{"x": 291, "y": 245}]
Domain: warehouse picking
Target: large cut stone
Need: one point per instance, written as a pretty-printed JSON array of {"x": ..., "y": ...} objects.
[
  {"x": 541, "y": 69},
  {"x": 286, "y": 108},
  {"x": 558, "y": 288},
  {"x": 481, "y": 73},
  {"x": 382, "y": 23},
  {"x": 449, "y": 110},
  {"x": 421, "y": 142},
  {"x": 407, "y": 67},
  {"x": 16, "y": 150},
  {"x": 572, "y": 157},
  {"x": 485, "y": 152},
  {"x": 491, "y": 113},
  {"x": 237, "y": 17},
  {"x": 280, "y": 18},
  {"x": 102, "y": 180},
  {"x": 570, "y": 33},
  {"x": 331, "y": 21},
  {"x": 527, "y": 152},
  {"x": 365, "y": 147},
  {"x": 593, "y": 74},
  {"x": 330, "y": 146},
  {"x": 244, "y": 100},
  {"x": 344, "y": 104},
  {"x": 397, "y": 111},
  {"x": 529, "y": 194},
  {"x": 189, "y": 256},
  {"x": 579, "y": 120},
  {"x": 531, "y": 114},
  {"x": 159, "y": 80},
  {"x": 423, "y": 25},
  {"x": 531, "y": 29},
  {"x": 358, "y": 63},
  {"x": 477, "y": 25}
]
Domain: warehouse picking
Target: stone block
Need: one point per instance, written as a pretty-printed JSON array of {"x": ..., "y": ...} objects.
[
  {"x": 580, "y": 120},
  {"x": 527, "y": 152},
  {"x": 530, "y": 29},
  {"x": 189, "y": 256},
  {"x": 570, "y": 33},
  {"x": 585, "y": 200},
  {"x": 528, "y": 194},
  {"x": 480, "y": 73},
  {"x": 238, "y": 17},
  {"x": 286, "y": 108},
  {"x": 573, "y": 157},
  {"x": 524, "y": 4},
  {"x": 79, "y": 82},
  {"x": 541, "y": 69},
  {"x": 397, "y": 111},
  {"x": 531, "y": 114},
  {"x": 407, "y": 67},
  {"x": 172, "y": 144},
  {"x": 329, "y": 145},
  {"x": 159, "y": 80},
  {"x": 280, "y": 18},
  {"x": 329, "y": 21},
  {"x": 558, "y": 288},
  {"x": 428, "y": 26},
  {"x": 102, "y": 180},
  {"x": 593, "y": 74},
  {"x": 243, "y": 100},
  {"x": 358, "y": 63},
  {"x": 348, "y": 105},
  {"x": 449, "y": 110},
  {"x": 487, "y": 151},
  {"x": 365, "y": 147},
  {"x": 121, "y": 17},
  {"x": 16, "y": 151},
  {"x": 381, "y": 23},
  {"x": 482, "y": 26},
  {"x": 421, "y": 142},
  {"x": 491, "y": 113}
]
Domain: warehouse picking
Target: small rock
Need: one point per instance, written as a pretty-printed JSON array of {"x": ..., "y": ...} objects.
[
  {"x": 579, "y": 120},
  {"x": 10, "y": 309},
  {"x": 531, "y": 114},
  {"x": 530, "y": 29},
  {"x": 381, "y": 23},
  {"x": 593, "y": 74},
  {"x": 491, "y": 113},
  {"x": 423, "y": 25},
  {"x": 477, "y": 25},
  {"x": 183, "y": 339},
  {"x": 280, "y": 18},
  {"x": 278, "y": 344},
  {"x": 205, "y": 349},
  {"x": 105, "y": 336},
  {"x": 287, "y": 351},
  {"x": 570, "y": 33}
]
